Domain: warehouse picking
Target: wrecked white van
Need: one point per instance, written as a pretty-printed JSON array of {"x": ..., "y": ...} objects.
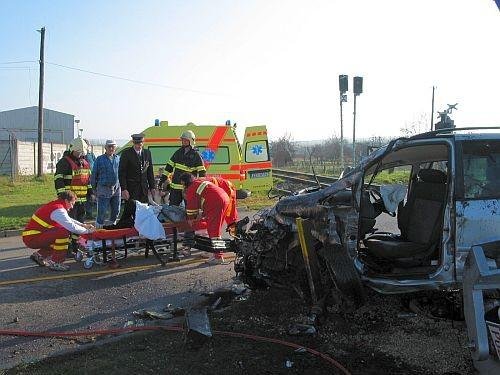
[{"x": 326, "y": 240}]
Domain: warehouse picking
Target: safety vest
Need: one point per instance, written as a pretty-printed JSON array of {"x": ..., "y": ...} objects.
[
  {"x": 228, "y": 187},
  {"x": 40, "y": 220},
  {"x": 199, "y": 192},
  {"x": 79, "y": 180}
]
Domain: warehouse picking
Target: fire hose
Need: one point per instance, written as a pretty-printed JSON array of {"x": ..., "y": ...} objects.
[{"x": 109, "y": 331}]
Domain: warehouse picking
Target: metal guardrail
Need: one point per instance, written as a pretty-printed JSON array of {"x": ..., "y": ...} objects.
[{"x": 302, "y": 177}]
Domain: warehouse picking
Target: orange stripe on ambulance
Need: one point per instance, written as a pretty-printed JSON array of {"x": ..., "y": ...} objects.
[{"x": 221, "y": 150}]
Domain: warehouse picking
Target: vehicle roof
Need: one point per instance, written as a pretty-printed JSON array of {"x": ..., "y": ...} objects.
[{"x": 460, "y": 134}]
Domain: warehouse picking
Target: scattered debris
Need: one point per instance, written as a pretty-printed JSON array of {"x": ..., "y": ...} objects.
[
  {"x": 152, "y": 314},
  {"x": 175, "y": 311},
  {"x": 216, "y": 303},
  {"x": 226, "y": 296},
  {"x": 239, "y": 289},
  {"x": 131, "y": 323},
  {"x": 197, "y": 328},
  {"x": 302, "y": 329},
  {"x": 407, "y": 315}
]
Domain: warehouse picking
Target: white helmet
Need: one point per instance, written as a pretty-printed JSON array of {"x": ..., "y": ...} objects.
[
  {"x": 188, "y": 134},
  {"x": 79, "y": 145}
]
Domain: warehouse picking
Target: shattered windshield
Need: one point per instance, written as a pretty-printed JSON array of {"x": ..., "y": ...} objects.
[{"x": 481, "y": 169}]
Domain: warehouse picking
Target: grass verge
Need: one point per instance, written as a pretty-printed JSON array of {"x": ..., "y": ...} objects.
[{"x": 19, "y": 199}]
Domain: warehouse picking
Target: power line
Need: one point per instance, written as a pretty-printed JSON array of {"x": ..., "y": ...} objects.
[
  {"x": 15, "y": 68},
  {"x": 18, "y": 62},
  {"x": 136, "y": 81}
]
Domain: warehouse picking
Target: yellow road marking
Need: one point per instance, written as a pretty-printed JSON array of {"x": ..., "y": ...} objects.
[{"x": 104, "y": 272}]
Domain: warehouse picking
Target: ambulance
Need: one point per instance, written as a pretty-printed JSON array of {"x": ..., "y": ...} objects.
[{"x": 247, "y": 165}]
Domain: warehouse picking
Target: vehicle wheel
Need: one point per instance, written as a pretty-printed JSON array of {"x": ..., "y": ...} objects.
[
  {"x": 242, "y": 194},
  {"x": 88, "y": 264},
  {"x": 343, "y": 273},
  {"x": 79, "y": 256}
]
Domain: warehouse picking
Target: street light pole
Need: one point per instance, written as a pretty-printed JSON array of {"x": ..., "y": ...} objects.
[
  {"x": 40, "y": 103},
  {"x": 432, "y": 109},
  {"x": 354, "y": 133}
]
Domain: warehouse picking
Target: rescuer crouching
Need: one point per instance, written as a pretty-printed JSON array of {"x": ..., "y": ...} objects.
[{"x": 49, "y": 230}]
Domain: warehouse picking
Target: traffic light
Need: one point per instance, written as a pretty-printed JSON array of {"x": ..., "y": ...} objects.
[
  {"x": 357, "y": 85},
  {"x": 343, "y": 83}
]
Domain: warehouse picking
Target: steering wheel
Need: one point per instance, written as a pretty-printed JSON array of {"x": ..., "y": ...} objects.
[{"x": 377, "y": 198}]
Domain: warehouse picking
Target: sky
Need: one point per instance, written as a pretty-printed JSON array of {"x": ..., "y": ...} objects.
[{"x": 272, "y": 62}]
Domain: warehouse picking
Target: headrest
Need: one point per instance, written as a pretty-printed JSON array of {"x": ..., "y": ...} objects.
[{"x": 434, "y": 176}]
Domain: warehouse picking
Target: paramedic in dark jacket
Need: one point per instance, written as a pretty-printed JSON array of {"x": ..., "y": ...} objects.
[
  {"x": 136, "y": 171},
  {"x": 185, "y": 160}
]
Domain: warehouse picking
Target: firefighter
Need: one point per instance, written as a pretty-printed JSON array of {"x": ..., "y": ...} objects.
[
  {"x": 212, "y": 199},
  {"x": 232, "y": 213},
  {"x": 185, "y": 159},
  {"x": 49, "y": 229},
  {"x": 73, "y": 174}
]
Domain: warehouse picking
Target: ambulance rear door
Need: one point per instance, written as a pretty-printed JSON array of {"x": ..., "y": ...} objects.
[{"x": 256, "y": 161}]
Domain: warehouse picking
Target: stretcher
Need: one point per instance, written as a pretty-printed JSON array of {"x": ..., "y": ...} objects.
[{"x": 108, "y": 245}]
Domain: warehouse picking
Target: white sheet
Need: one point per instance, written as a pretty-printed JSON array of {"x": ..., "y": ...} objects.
[{"x": 147, "y": 223}]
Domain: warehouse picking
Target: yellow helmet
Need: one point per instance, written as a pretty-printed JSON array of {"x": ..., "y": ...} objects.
[
  {"x": 188, "y": 134},
  {"x": 79, "y": 145}
]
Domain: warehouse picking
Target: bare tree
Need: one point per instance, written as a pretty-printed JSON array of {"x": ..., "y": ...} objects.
[
  {"x": 416, "y": 126},
  {"x": 283, "y": 150}
]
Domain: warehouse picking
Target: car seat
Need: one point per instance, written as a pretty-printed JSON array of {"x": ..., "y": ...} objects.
[{"x": 420, "y": 221}]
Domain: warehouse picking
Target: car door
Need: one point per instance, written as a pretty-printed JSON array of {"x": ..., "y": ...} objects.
[{"x": 478, "y": 196}]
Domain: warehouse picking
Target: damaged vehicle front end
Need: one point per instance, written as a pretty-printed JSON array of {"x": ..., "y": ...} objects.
[{"x": 326, "y": 242}]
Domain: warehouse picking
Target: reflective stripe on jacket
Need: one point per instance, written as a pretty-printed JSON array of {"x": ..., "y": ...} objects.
[
  {"x": 182, "y": 162},
  {"x": 40, "y": 221},
  {"x": 78, "y": 181}
]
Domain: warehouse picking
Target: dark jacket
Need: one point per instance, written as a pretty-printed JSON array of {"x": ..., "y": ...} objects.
[
  {"x": 182, "y": 162},
  {"x": 136, "y": 173},
  {"x": 63, "y": 177}
]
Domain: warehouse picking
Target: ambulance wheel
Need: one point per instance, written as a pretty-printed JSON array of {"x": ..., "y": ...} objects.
[{"x": 242, "y": 194}]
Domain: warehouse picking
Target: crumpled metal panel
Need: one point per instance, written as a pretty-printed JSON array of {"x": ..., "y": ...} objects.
[{"x": 477, "y": 222}]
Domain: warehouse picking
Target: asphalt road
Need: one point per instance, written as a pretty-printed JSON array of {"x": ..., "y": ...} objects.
[{"x": 95, "y": 301}]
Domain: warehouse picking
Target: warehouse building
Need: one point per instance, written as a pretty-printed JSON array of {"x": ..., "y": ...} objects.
[
  {"x": 19, "y": 140},
  {"x": 22, "y": 124}
]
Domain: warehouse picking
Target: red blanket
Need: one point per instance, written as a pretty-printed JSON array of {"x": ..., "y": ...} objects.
[{"x": 115, "y": 234}]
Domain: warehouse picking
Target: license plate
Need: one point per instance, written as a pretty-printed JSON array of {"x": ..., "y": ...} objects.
[{"x": 259, "y": 174}]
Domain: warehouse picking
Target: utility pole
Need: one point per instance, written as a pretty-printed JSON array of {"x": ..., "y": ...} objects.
[
  {"x": 40, "y": 103},
  {"x": 432, "y": 110}
]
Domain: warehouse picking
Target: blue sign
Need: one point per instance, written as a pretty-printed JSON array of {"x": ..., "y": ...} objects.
[
  {"x": 208, "y": 155},
  {"x": 257, "y": 150}
]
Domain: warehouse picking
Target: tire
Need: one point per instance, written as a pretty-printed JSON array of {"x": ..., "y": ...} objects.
[
  {"x": 242, "y": 194},
  {"x": 343, "y": 273}
]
